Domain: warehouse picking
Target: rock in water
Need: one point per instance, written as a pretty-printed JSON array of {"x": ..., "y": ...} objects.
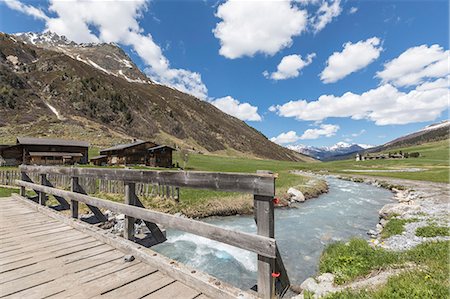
[{"x": 296, "y": 195}]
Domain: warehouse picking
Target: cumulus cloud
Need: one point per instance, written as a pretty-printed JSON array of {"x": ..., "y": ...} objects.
[
  {"x": 324, "y": 130},
  {"x": 250, "y": 27},
  {"x": 290, "y": 67},
  {"x": 26, "y": 9},
  {"x": 351, "y": 59},
  {"x": 327, "y": 11},
  {"x": 118, "y": 22},
  {"x": 353, "y": 10},
  {"x": 243, "y": 111},
  {"x": 415, "y": 65},
  {"x": 385, "y": 105},
  {"x": 285, "y": 138}
]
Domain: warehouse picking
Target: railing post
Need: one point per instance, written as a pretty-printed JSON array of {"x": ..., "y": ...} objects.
[
  {"x": 42, "y": 195},
  {"x": 23, "y": 177},
  {"x": 130, "y": 195},
  {"x": 264, "y": 217},
  {"x": 74, "y": 203}
]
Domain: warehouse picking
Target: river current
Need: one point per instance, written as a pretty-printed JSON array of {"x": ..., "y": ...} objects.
[{"x": 348, "y": 210}]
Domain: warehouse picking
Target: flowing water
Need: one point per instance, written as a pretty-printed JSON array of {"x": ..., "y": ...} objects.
[{"x": 349, "y": 209}]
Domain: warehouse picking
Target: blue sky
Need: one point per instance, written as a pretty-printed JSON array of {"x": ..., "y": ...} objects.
[{"x": 388, "y": 54}]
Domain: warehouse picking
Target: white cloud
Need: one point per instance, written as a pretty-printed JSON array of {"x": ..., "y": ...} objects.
[
  {"x": 352, "y": 58},
  {"x": 26, "y": 9},
  {"x": 285, "y": 138},
  {"x": 353, "y": 10},
  {"x": 250, "y": 27},
  {"x": 243, "y": 111},
  {"x": 324, "y": 130},
  {"x": 290, "y": 67},
  {"x": 415, "y": 65},
  {"x": 115, "y": 21},
  {"x": 439, "y": 83},
  {"x": 385, "y": 105},
  {"x": 325, "y": 14},
  {"x": 359, "y": 133}
]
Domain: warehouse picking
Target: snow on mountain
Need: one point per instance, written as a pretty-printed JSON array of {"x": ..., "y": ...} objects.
[
  {"x": 108, "y": 58},
  {"x": 442, "y": 124},
  {"x": 326, "y": 152}
]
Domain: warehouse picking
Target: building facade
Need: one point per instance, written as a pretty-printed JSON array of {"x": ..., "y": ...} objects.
[{"x": 44, "y": 151}]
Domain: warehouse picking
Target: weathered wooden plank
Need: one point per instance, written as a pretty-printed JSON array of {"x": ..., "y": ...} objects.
[
  {"x": 130, "y": 199},
  {"x": 64, "y": 204},
  {"x": 64, "y": 278},
  {"x": 153, "y": 227},
  {"x": 262, "y": 184},
  {"x": 264, "y": 211},
  {"x": 73, "y": 203},
  {"x": 260, "y": 244},
  {"x": 140, "y": 287},
  {"x": 196, "y": 279},
  {"x": 110, "y": 282},
  {"x": 79, "y": 189},
  {"x": 175, "y": 290}
]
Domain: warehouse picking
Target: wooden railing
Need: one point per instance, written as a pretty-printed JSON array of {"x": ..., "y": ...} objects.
[
  {"x": 96, "y": 185},
  {"x": 271, "y": 271}
]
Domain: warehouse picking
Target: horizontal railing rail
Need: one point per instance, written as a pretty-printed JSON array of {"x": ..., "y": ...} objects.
[{"x": 261, "y": 184}]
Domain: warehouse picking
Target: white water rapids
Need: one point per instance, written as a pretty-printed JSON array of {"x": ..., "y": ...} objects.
[{"x": 348, "y": 210}]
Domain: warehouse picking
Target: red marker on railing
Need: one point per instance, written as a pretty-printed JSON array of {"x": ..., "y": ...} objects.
[{"x": 276, "y": 274}]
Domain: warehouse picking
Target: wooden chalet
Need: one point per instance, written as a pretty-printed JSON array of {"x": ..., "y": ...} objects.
[
  {"x": 44, "y": 151},
  {"x": 137, "y": 152}
]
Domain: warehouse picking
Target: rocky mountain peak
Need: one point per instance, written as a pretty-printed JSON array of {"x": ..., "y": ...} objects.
[{"x": 107, "y": 57}]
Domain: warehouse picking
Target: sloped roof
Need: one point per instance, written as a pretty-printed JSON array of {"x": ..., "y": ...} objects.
[
  {"x": 160, "y": 147},
  {"x": 123, "y": 146},
  {"x": 49, "y": 141}
]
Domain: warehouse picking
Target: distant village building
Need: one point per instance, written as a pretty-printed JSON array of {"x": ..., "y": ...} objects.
[
  {"x": 138, "y": 152},
  {"x": 44, "y": 151},
  {"x": 399, "y": 155}
]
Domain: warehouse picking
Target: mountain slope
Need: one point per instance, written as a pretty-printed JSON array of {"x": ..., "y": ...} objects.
[{"x": 45, "y": 92}]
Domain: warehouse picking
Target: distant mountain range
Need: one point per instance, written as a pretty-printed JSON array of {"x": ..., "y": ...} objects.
[
  {"x": 51, "y": 86},
  {"x": 342, "y": 150},
  {"x": 325, "y": 153}
]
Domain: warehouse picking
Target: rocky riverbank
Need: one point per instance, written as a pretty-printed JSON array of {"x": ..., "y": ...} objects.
[{"x": 421, "y": 214}]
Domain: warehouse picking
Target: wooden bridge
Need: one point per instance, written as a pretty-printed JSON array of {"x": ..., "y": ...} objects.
[{"x": 44, "y": 253}]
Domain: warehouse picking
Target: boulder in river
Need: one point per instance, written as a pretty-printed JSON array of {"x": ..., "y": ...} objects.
[{"x": 296, "y": 195}]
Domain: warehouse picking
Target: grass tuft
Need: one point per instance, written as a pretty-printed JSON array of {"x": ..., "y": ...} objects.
[
  {"x": 395, "y": 226},
  {"x": 431, "y": 231},
  {"x": 353, "y": 259}
]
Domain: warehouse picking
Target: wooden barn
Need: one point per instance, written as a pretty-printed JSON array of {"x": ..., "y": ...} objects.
[
  {"x": 138, "y": 152},
  {"x": 44, "y": 151}
]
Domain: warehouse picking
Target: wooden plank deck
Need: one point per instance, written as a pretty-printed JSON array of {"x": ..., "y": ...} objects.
[{"x": 41, "y": 257}]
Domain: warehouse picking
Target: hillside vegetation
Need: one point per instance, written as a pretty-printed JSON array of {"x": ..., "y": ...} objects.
[{"x": 48, "y": 93}]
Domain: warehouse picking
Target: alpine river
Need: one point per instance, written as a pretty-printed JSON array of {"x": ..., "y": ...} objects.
[{"x": 349, "y": 209}]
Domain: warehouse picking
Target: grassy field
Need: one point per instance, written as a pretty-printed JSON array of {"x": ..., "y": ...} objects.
[{"x": 434, "y": 160}]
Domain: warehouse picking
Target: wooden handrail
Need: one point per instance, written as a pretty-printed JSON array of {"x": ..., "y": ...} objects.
[
  {"x": 261, "y": 184},
  {"x": 261, "y": 245}
]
